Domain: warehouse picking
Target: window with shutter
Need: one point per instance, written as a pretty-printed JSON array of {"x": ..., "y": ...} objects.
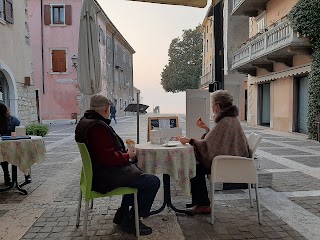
[
  {"x": 68, "y": 16},
  {"x": 108, "y": 42},
  {"x": 8, "y": 11},
  {"x": 58, "y": 14},
  {"x": 47, "y": 15},
  {"x": 59, "y": 63}
]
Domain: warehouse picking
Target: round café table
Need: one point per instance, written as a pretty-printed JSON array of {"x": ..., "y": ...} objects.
[
  {"x": 175, "y": 161},
  {"x": 22, "y": 154}
]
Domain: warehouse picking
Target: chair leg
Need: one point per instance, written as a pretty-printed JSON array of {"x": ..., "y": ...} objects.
[
  {"x": 136, "y": 215},
  {"x": 212, "y": 185},
  {"x": 250, "y": 196},
  {"x": 79, "y": 209},
  {"x": 91, "y": 203},
  {"x": 258, "y": 205},
  {"x": 85, "y": 221}
]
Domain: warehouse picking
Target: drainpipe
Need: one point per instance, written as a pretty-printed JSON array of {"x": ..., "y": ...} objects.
[{"x": 42, "y": 58}]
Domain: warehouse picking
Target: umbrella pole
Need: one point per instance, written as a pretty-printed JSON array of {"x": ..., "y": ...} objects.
[{"x": 138, "y": 112}]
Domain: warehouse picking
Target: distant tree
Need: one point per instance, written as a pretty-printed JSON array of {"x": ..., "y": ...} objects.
[{"x": 185, "y": 60}]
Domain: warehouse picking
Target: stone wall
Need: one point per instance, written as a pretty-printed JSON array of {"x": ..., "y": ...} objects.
[{"x": 27, "y": 104}]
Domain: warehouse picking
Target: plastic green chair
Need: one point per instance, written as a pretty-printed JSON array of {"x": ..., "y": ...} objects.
[{"x": 85, "y": 189}]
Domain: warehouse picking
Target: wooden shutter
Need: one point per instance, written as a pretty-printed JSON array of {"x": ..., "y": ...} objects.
[
  {"x": 59, "y": 61},
  {"x": 47, "y": 15},
  {"x": 8, "y": 11},
  {"x": 68, "y": 13},
  {"x": 62, "y": 61}
]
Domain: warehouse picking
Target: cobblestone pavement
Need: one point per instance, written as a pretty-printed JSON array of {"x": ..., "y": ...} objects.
[{"x": 290, "y": 207}]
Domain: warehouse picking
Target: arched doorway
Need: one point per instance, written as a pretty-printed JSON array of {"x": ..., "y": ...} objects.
[
  {"x": 4, "y": 89},
  {"x": 9, "y": 89}
]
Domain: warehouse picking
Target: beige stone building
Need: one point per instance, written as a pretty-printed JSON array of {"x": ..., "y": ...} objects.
[
  {"x": 277, "y": 61},
  {"x": 16, "y": 69},
  {"x": 235, "y": 31}
]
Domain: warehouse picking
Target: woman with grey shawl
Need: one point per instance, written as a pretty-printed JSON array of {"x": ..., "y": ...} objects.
[{"x": 226, "y": 138}]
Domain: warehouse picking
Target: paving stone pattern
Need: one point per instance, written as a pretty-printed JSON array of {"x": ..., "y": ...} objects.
[{"x": 54, "y": 193}]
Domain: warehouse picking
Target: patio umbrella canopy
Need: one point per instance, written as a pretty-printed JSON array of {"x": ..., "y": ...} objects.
[
  {"x": 133, "y": 107},
  {"x": 89, "y": 68}
]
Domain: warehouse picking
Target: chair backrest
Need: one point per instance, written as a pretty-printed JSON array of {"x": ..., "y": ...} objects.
[
  {"x": 253, "y": 140},
  {"x": 86, "y": 173},
  {"x": 232, "y": 170}
]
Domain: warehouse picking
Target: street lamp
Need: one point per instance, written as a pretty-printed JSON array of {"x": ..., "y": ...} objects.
[{"x": 74, "y": 60}]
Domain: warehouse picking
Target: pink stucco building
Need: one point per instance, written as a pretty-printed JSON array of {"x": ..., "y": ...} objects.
[{"x": 54, "y": 33}]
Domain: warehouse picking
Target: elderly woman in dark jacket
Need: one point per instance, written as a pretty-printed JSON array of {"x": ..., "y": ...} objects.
[
  {"x": 8, "y": 124},
  {"x": 226, "y": 138}
]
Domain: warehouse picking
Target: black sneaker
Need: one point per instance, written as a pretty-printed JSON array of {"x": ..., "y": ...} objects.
[
  {"x": 129, "y": 227},
  {"x": 120, "y": 214},
  {"x": 144, "y": 230}
]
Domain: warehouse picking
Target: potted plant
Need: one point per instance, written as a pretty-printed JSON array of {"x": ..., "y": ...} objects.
[{"x": 37, "y": 129}]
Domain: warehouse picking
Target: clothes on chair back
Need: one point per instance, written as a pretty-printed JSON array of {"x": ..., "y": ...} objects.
[
  {"x": 226, "y": 138},
  {"x": 110, "y": 162}
]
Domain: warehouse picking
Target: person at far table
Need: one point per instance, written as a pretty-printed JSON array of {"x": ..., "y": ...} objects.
[
  {"x": 8, "y": 124},
  {"x": 113, "y": 166},
  {"x": 226, "y": 138}
]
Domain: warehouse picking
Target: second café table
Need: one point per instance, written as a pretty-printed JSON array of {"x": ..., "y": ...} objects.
[
  {"x": 22, "y": 154},
  {"x": 176, "y": 161}
]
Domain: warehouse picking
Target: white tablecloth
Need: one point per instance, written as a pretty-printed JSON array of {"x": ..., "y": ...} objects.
[
  {"x": 23, "y": 153},
  {"x": 177, "y": 161}
]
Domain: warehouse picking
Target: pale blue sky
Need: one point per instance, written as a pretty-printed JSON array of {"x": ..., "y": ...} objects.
[{"x": 149, "y": 28}]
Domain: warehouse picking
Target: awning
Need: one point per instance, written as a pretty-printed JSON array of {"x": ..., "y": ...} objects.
[
  {"x": 293, "y": 71},
  {"x": 190, "y": 3}
]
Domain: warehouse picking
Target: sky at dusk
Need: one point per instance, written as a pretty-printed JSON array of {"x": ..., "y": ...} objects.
[{"x": 149, "y": 28}]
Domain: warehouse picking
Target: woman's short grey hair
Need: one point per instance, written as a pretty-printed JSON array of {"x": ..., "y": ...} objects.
[
  {"x": 99, "y": 102},
  {"x": 223, "y": 98}
]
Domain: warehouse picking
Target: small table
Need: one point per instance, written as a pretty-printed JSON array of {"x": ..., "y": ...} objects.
[
  {"x": 178, "y": 162},
  {"x": 22, "y": 154}
]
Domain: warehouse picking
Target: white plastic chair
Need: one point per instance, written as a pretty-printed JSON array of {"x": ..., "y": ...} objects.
[{"x": 234, "y": 169}]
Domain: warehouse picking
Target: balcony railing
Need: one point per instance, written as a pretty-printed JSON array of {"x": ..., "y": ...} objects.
[
  {"x": 236, "y": 3},
  {"x": 206, "y": 79},
  {"x": 278, "y": 37},
  {"x": 249, "y": 8}
]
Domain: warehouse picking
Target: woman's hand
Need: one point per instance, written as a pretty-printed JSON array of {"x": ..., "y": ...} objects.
[
  {"x": 132, "y": 152},
  {"x": 184, "y": 140},
  {"x": 201, "y": 124}
]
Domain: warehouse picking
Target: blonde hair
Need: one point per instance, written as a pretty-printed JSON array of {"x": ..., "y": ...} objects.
[
  {"x": 223, "y": 98},
  {"x": 99, "y": 102}
]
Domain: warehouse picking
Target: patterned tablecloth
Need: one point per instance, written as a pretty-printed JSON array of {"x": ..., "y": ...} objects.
[
  {"x": 23, "y": 153},
  {"x": 177, "y": 161}
]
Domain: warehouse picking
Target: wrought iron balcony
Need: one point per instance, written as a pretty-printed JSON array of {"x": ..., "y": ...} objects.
[
  {"x": 277, "y": 44},
  {"x": 249, "y": 8}
]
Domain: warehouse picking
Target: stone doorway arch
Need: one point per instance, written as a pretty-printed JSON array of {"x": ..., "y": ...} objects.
[{"x": 9, "y": 88}]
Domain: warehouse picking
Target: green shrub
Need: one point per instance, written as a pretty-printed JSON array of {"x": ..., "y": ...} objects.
[{"x": 37, "y": 129}]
